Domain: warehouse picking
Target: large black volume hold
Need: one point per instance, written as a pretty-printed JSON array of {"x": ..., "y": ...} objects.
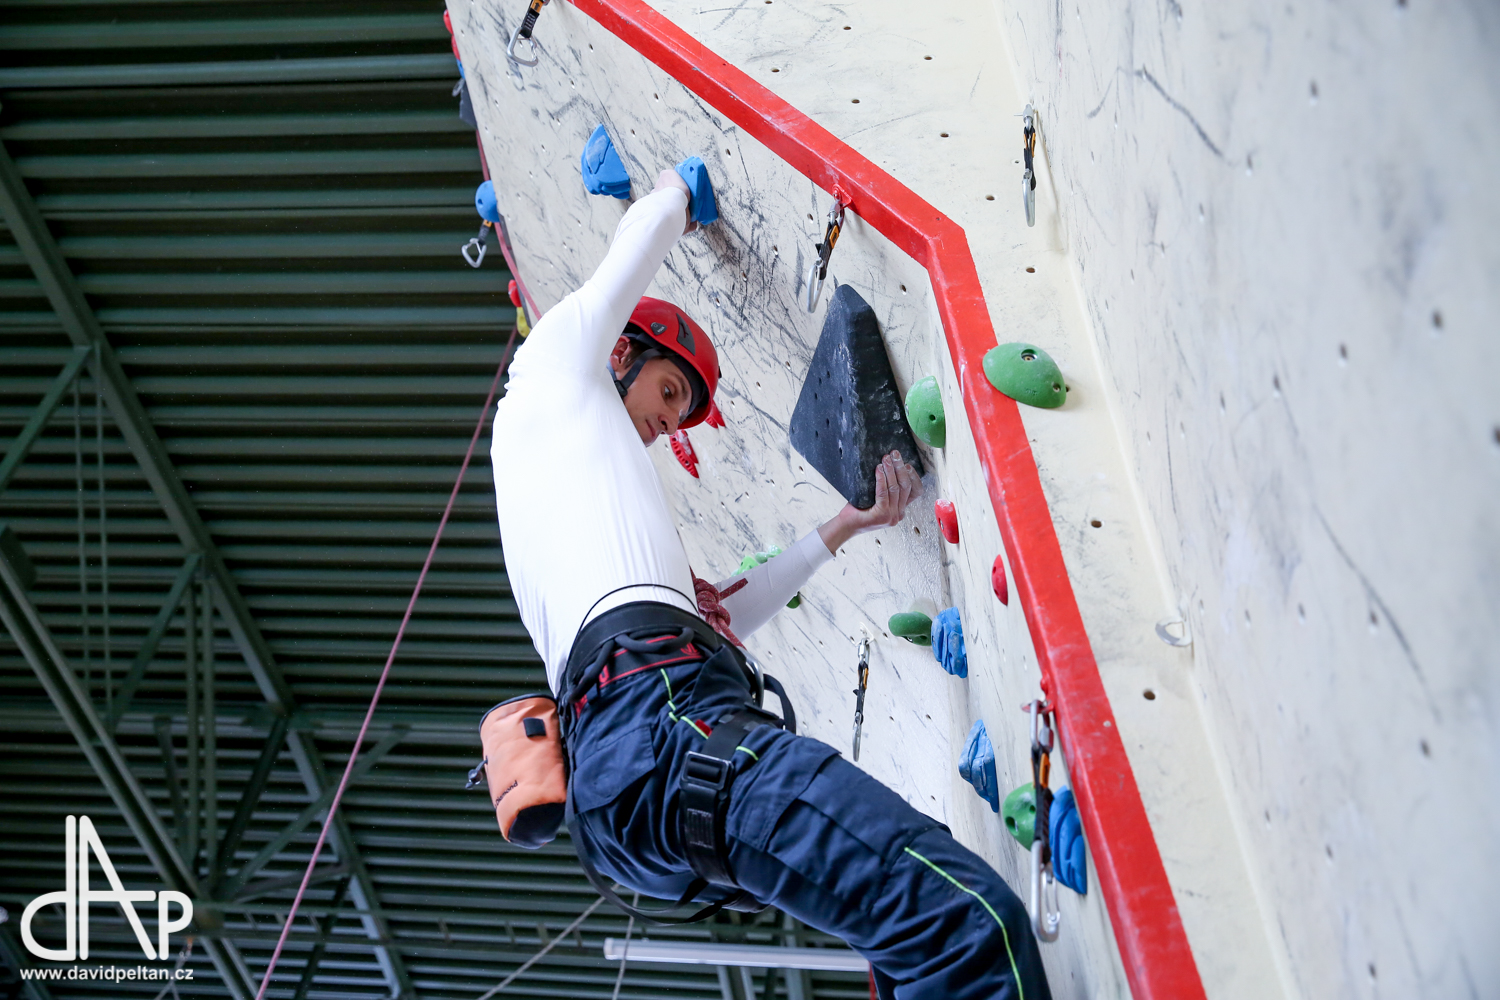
[{"x": 849, "y": 415}]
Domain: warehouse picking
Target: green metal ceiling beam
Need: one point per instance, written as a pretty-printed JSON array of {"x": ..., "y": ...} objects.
[
  {"x": 152, "y": 641},
  {"x": 254, "y": 246},
  {"x": 118, "y": 33},
  {"x": 222, "y": 204},
  {"x": 285, "y": 163},
  {"x": 35, "y": 240},
  {"x": 15, "y": 957},
  {"x": 218, "y": 73},
  {"x": 22, "y": 445},
  {"x": 74, "y": 705},
  {"x": 271, "y": 125}
]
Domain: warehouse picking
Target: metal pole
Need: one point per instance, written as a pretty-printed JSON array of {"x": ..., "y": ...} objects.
[
  {"x": 194, "y": 748},
  {"x": 83, "y": 565},
  {"x": 106, "y": 652},
  {"x": 210, "y": 736}
]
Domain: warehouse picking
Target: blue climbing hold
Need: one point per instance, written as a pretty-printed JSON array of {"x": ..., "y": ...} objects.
[
  {"x": 977, "y": 765},
  {"x": 486, "y": 204},
  {"x": 701, "y": 202},
  {"x": 1069, "y": 862},
  {"x": 603, "y": 173},
  {"x": 948, "y": 643}
]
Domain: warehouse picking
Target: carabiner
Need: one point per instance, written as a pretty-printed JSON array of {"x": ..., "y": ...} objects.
[
  {"x": 476, "y": 243},
  {"x": 1046, "y": 920},
  {"x": 523, "y": 30},
  {"x": 818, "y": 272},
  {"x": 862, "y": 675},
  {"x": 1028, "y": 150}
]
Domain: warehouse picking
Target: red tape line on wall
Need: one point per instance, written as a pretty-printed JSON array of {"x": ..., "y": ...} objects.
[{"x": 1148, "y": 929}]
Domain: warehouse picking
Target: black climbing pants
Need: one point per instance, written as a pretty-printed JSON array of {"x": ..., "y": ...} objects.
[{"x": 807, "y": 832}]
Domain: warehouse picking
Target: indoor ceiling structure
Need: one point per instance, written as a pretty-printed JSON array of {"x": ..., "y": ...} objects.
[{"x": 240, "y": 363}]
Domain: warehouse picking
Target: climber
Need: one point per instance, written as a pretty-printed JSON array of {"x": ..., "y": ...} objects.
[{"x": 602, "y": 582}]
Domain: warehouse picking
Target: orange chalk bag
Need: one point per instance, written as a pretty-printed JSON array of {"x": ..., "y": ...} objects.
[{"x": 524, "y": 768}]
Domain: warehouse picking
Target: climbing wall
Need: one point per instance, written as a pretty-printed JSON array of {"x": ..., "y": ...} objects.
[
  {"x": 1221, "y": 476},
  {"x": 1283, "y": 223}
]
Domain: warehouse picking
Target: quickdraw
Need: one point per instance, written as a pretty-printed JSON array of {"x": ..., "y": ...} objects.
[
  {"x": 533, "y": 11},
  {"x": 1045, "y": 917},
  {"x": 474, "y": 250},
  {"x": 863, "y": 673},
  {"x": 1028, "y": 150},
  {"x": 818, "y": 272}
]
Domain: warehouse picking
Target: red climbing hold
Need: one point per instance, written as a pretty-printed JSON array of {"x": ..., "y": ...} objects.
[
  {"x": 997, "y": 580},
  {"x": 515, "y": 294},
  {"x": 453, "y": 41},
  {"x": 947, "y": 518},
  {"x": 683, "y": 449},
  {"x": 714, "y": 417}
]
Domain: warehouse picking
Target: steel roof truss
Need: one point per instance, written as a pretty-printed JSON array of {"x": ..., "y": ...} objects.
[
  {"x": 21, "y": 447},
  {"x": 56, "y": 674},
  {"x": 41, "y": 251},
  {"x": 143, "y": 657}
]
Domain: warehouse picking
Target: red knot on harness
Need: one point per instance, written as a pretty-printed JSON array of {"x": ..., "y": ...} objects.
[{"x": 711, "y": 607}]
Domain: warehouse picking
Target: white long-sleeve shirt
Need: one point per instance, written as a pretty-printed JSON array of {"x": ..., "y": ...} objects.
[{"x": 582, "y": 510}]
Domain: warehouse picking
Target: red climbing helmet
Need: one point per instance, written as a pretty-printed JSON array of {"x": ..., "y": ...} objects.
[{"x": 667, "y": 332}]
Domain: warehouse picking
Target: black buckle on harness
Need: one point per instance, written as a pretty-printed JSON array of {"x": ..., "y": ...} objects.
[
  {"x": 703, "y": 796},
  {"x": 705, "y": 770}
]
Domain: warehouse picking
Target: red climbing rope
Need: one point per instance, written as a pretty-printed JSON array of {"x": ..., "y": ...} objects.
[
  {"x": 711, "y": 608},
  {"x": 359, "y": 740}
]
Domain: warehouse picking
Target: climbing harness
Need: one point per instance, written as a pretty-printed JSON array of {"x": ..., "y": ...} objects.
[
  {"x": 862, "y": 672},
  {"x": 708, "y": 773},
  {"x": 1028, "y": 150},
  {"x": 474, "y": 250},
  {"x": 1045, "y": 917},
  {"x": 818, "y": 272},
  {"x": 533, "y": 11}
]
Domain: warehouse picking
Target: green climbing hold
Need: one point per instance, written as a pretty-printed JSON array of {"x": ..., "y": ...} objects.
[
  {"x": 924, "y": 412},
  {"x": 913, "y": 626},
  {"x": 755, "y": 559},
  {"x": 1027, "y": 374},
  {"x": 1019, "y": 813}
]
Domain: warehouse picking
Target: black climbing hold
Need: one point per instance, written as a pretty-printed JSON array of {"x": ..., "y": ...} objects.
[{"x": 849, "y": 415}]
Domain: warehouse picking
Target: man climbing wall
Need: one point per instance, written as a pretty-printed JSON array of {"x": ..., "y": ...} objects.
[{"x": 679, "y": 786}]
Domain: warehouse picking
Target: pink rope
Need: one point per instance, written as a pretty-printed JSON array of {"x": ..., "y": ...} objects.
[
  {"x": 380, "y": 685},
  {"x": 711, "y": 607}
]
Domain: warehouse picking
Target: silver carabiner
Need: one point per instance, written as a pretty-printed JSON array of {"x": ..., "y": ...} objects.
[
  {"x": 818, "y": 273},
  {"x": 523, "y": 30},
  {"x": 1028, "y": 150},
  {"x": 475, "y": 243},
  {"x": 814, "y": 286},
  {"x": 510, "y": 50},
  {"x": 467, "y": 248},
  {"x": 1045, "y": 920}
]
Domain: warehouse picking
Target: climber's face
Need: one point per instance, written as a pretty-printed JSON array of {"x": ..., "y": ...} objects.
[{"x": 659, "y": 399}]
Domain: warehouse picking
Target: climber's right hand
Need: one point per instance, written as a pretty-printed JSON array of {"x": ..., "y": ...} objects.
[{"x": 670, "y": 179}]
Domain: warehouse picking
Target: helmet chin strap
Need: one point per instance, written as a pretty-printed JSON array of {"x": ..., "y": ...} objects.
[{"x": 624, "y": 382}]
